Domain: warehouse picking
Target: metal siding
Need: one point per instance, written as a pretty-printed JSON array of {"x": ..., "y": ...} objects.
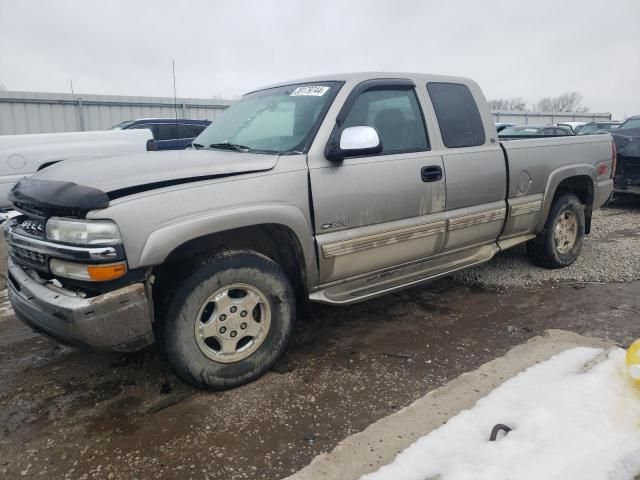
[{"x": 42, "y": 112}]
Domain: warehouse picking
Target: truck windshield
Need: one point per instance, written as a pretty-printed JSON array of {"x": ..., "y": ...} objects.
[{"x": 276, "y": 120}]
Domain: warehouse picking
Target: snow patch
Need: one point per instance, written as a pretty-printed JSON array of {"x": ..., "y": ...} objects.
[{"x": 567, "y": 424}]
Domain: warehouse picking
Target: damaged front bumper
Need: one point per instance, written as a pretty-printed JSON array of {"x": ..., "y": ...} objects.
[{"x": 119, "y": 320}]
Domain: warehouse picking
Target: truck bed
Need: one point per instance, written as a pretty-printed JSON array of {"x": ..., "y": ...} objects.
[{"x": 531, "y": 161}]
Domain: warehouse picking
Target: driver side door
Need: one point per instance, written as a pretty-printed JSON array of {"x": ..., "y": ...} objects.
[{"x": 377, "y": 211}]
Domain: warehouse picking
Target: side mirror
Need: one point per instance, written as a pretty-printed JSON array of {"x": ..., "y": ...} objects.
[
  {"x": 354, "y": 141},
  {"x": 151, "y": 145}
]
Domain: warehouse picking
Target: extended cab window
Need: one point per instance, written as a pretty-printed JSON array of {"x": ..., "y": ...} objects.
[
  {"x": 457, "y": 114},
  {"x": 395, "y": 114}
]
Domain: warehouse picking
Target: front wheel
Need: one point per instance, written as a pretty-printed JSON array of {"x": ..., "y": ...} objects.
[
  {"x": 560, "y": 242},
  {"x": 229, "y": 320}
]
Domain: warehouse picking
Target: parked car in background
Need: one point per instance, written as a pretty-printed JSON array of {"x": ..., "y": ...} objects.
[
  {"x": 592, "y": 128},
  {"x": 573, "y": 126},
  {"x": 630, "y": 123},
  {"x": 627, "y": 141},
  {"x": 168, "y": 133},
  {"x": 535, "y": 131},
  {"x": 22, "y": 155},
  {"x": 333, "y": 190},
  {"x": 501, "y": 126}
]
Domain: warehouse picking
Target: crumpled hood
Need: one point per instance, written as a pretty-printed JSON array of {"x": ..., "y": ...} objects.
[{"x": 88, "y": 184}]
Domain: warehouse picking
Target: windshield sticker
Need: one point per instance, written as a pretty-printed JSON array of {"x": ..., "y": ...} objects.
[{"x": 311, "y": 91}]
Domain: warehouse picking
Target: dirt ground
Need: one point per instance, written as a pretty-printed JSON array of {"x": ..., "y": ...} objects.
[{"x": 73, "y": 414}]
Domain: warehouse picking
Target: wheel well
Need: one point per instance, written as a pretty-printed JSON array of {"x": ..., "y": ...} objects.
[
  {"x": 277, "y": 242},
  {"x": 582, "y": 187}
]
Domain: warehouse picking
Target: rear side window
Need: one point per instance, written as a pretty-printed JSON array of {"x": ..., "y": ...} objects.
[
  {"x": 166, "y": 131},
  {"x": 395, "y": 114},
  {"x": 195, "y": 129},
  {"x": 457, "y": 114},
  {"x": 184, "y": 131}
]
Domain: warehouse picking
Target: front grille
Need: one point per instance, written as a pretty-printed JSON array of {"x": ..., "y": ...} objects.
[
  {"x": 29, "y": 257},
  {"x": 33, "y": 227}
]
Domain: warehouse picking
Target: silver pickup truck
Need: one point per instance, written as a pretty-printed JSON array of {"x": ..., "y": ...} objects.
[{"x": 334, "y": 189}]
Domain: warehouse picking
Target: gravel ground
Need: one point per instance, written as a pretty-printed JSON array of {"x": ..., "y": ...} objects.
[{"x": 611, "y": 253}]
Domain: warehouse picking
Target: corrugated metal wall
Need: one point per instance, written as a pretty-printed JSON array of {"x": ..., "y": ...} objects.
[
  {"x": 36, "y": 112},
  {"x": 547, "y": 118}
]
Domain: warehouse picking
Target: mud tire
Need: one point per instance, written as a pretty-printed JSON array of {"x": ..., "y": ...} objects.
[
  {"x": 207, "y": 275},
  {"x": 543, "y": 250}
]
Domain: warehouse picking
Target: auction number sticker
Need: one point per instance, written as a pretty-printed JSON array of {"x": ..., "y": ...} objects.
[{"x": 310, "y": 91}]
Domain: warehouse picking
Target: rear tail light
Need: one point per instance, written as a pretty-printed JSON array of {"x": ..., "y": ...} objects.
[{"x": 614, "y": 158}]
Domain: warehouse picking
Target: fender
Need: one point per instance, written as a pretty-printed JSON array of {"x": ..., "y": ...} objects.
[
  {"x": 555, "y": 178},
  {"x": 162, "y": 241}
]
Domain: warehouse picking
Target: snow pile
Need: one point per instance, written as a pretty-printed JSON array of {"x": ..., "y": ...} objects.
[{"x": 566, "y": 425}]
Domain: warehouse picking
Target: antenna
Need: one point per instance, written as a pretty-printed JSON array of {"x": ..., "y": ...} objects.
[
  {"x": 175, "y": 99},
  {"x": 71, "y": 83}
]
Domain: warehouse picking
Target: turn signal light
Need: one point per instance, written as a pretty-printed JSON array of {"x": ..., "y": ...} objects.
[{"x": 103, "y": 273}]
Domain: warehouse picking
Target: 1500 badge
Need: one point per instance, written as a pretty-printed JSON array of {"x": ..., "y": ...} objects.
[{"x": 341, "y": 222}]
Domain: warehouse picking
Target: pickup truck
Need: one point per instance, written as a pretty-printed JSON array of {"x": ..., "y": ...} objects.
[
  {"x": 334, "y": 189},
  {"x": 22, "y": 155}
]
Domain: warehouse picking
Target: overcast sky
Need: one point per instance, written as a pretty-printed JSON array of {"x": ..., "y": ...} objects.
[{"x": 223, "y": 48}]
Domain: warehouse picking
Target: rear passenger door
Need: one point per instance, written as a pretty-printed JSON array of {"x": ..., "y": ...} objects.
[
  {"x": 382, "y": 210},
  {"x": 476, "y": 175}
]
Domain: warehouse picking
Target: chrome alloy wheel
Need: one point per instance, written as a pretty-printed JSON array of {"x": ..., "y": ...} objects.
[
  {"x": 565, "y": 232},
  {"x": 233, "y": 322}
]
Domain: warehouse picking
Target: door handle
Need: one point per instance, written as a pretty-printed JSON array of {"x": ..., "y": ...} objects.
[{"x": 432, "y": 173}]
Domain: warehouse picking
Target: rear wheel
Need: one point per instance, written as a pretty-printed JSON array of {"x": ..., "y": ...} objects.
[
  {"x": 229, "y": 320},
  {"x": 560, "y": 242}
]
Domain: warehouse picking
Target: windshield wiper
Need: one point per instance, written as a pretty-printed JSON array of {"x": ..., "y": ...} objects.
[
  {"x": 196, "y": 146},
  {"x": 230, "y": 146}
]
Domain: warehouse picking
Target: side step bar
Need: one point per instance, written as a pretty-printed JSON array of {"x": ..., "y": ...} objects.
[{"x": 398, "y": 278}]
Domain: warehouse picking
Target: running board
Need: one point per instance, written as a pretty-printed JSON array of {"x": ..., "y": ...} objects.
[{"x": 398, "y": 278}]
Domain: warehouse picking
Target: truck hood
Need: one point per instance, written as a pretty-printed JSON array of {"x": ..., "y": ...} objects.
[{"x": 90, "y": 184}]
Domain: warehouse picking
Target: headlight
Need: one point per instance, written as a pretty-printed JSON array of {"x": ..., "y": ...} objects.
[{"x": 83, "y": 232}]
